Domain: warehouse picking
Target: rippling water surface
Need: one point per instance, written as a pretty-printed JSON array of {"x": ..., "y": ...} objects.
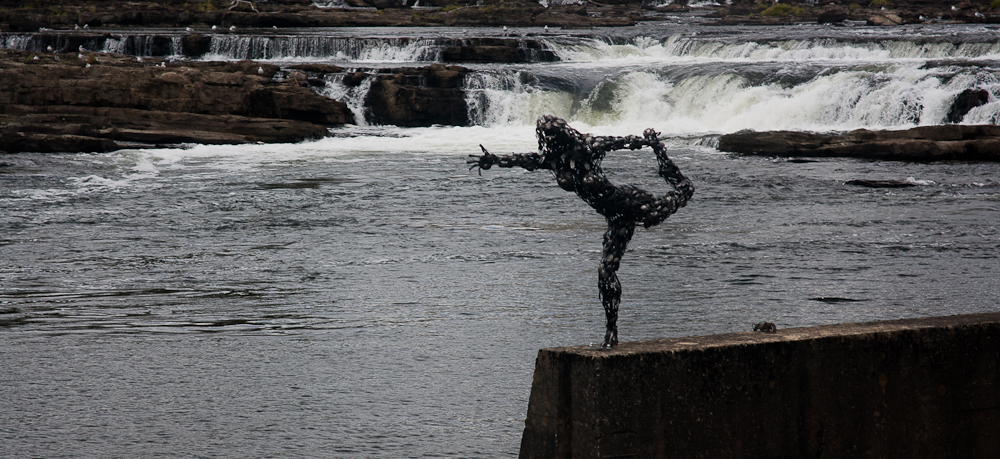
[{"x": 367, "y": 296}]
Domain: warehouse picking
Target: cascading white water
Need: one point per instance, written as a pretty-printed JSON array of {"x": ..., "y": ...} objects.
[
  {"x": 143, "y": 45},
  {"x": 353, "y": 96},
  {"x": 683, "y": 83},
  {"x": 685, "y": 86},
  {"x": 903, "y": 96},
  {"x": 679, "y": 48},
  {"x": 290, "y": 48},
  {"x": 14, "y": 41}
]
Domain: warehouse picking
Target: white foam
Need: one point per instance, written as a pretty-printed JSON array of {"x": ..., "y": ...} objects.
[
  {"x": 880, "y": 97},
  {"x": 920, "y": 182},
  {"x": 685, "y": 49}
]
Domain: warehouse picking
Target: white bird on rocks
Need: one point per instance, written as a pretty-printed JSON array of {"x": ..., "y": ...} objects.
[
  {"x": 79, "y": 56},
  {"x": 215, "y": 27},
  {"x": 163, "y": 64},
  {"x": 260, "y": 70},
  {"x": 505, "y": 30},
  {"x": 546, "y": 28},
  {"x": 954, "y": 8},
  {"x": 81, "y": 48},
  {"x": 76, "y": 27},
  {"x": 35, "y": 58},
  {"x": 88, "y": 66},
  {"x": 232, "y": 28},
  {"x": 274, "y": 27},
  {"x": 138, "y": 59},
  {"x": 188, "y": 29},
  {"x": 86, "y": 27},
  {"x": 980, "y": 15},
  {"x": 48, "y": 48}
]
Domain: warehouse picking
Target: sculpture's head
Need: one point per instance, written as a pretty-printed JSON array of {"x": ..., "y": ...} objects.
[{"x": 555, "y": 136}]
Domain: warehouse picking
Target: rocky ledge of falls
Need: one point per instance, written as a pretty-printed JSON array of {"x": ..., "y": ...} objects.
[
  {"x": 28, "y": 15},
  {"x": 73, "y": 102},
  {"x": 852, "y": 13},
  {"x": 923, "y": 143},
  {"x": 70, "y": 102}
]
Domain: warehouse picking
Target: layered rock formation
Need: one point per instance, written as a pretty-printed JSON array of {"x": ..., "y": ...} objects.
[
  {"x": 496, "y": 50},
  {"x": 419, "y": 97},
  {"x": 924, "y": 143},
  {"x": 846, "y": 12},
  {"x": 30, "y": 15},
  {"x": 23, "y": 15},
  {"x": 76, "y": 102},
  {"x": 101, "y": 102}
]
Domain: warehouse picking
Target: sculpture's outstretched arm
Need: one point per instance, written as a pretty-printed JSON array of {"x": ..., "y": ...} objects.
[
  {"x": 601, "y": 145},
  {"x": 529, "y": 161}
]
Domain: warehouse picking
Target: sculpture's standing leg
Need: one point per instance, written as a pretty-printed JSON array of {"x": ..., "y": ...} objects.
[{"x": 616, "y": 240}]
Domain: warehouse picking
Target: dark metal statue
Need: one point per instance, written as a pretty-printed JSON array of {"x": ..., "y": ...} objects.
[{"x": 575, "y": 160}]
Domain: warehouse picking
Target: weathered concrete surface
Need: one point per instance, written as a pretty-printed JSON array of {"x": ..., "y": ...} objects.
[{"x": 919, "y": 388}]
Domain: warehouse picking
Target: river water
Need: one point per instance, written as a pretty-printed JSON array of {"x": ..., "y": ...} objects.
[{"x": 365, "y": 295}]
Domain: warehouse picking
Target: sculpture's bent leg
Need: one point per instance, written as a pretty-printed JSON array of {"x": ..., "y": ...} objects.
[{"x": 616, "y": 240}]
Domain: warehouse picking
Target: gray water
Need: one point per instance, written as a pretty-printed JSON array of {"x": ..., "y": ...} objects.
[{"x": 367, "y": 296}]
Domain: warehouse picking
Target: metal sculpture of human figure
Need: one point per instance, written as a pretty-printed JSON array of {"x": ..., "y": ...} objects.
[{"x": 575, "y": 160}]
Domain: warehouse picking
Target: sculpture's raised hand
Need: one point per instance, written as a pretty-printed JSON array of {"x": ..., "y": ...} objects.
[{"x": 484, "y": 161}]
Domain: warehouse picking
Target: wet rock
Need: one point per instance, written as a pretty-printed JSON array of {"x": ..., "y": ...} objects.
[
  {"x": 95, "y": 129},
  {"x": 499, "y": 51},
  {"x": 419, "y": 97},
  {"x": 317, "y": 68},
  {"x": 965, "y": 101},
  {"x": 386, "y": 13},
  {"x": 193, "y": 45},
  {"x": 924, "y": 143},
  {"x": 353, "y": 79},
  {"x": 867, "y": 183}
]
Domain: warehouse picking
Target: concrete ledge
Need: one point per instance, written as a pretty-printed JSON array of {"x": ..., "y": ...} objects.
[{"x": 915, "y": 388}]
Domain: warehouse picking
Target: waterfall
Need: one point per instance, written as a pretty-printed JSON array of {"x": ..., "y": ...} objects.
[
  {"x": 353, "y": 96},
  {"x": 144, "y": 45},
  {"x": 258, "y": 47},
  {"x": 730, "y": 98},
  {"x": 681, "y": 83},
  {"x": 681, "y": 48},
  {"x": 18, "y": 42}
]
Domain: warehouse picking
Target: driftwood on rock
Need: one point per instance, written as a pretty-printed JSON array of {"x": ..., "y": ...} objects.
[{"x": 924, "y": 143}]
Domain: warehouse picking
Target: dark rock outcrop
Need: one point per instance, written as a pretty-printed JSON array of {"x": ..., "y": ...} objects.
[
  {"x": 95, "y": 101},
  {"x": 53, "y": 129},
  {"x": 25, "y": 16},
  {"x": 924, "y": 143},
  {"x": 419, "y": 97},
  {"x": 870, "y": 183},
  {"x": 849, "y": 13},
  {"x": 498, "y": 50},
  {"x": 965, "y": 101}
]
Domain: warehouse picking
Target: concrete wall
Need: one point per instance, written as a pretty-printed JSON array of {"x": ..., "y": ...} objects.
[{"x": 919, "y": 388}]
